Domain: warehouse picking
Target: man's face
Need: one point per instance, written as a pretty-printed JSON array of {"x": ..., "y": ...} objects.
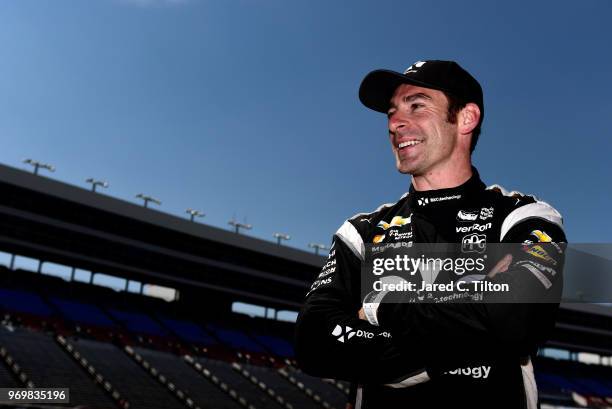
[{"x": 420, "y": 135}]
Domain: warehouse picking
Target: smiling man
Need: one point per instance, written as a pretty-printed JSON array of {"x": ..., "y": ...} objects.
[{"x": 423, "y": 355}]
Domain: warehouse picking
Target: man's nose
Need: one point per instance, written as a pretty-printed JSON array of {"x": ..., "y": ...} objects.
[{"x": 396, "y": 124}]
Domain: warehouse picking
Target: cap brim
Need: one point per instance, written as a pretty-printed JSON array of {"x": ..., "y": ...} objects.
[{"x": 378, "y": 86}]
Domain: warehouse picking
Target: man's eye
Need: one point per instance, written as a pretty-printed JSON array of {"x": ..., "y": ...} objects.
[{"x": 415, "y": 106}]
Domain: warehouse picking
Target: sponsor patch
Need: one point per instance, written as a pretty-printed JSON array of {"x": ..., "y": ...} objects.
[
  {"x": 426, "y": 200},
  {"x": 378, "y": 238},
  {"x": 474, "y": 243},
  {"x": 467, "y": 216},
  {"x": 344, "y": 333},
  {"x": 396, "y": 235},
  {"x": 476, "y": 372},
  {"x": 539, "y": 266},
  {"x": 538, "y": 251},
  {"x": 474, "y": 227},
  {"x": 486, "y": 213},
  {"x": 414, "y": 67},
  {"x": 542, "y": 236},
  {"x": 397, "y": 221},
  {"x": 327, "y": 272},
  {"x": 319, "y": 283}
]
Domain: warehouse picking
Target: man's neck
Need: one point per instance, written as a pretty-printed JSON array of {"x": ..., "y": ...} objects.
[{"x": 442, "y": 178}]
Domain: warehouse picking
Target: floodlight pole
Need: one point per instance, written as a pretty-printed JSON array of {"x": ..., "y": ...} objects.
[
  {"x": 238, "y": 226},
  {"x": 194, "y": 213},
  {"x": 281, "y": 236},
  {"x": 148, "y": 199},
  {"x": 95, "y": 183},
  {"x": 39, "y": 165},
  {"x": 317, "y": 247}
]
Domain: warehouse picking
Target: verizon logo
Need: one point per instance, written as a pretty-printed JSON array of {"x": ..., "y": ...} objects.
[{"x": 474, "y": 227}]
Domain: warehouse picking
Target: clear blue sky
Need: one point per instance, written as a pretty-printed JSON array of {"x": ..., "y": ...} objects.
[{"x": 250, "y": 108}]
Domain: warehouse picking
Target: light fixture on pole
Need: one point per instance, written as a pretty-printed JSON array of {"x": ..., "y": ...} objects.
[
  {"x": 194, "y": 213},
  {"x": 147, "y": 199},
  {"x": 95, "y": 183},
  {"x": 318, "y": 247},
  {"x": 281, "y": 236},
  {"x": 39, "y": 165},
  {"x": 238, "y": 225}
]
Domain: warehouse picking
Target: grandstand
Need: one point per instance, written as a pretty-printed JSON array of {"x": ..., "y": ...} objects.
[{"x": 168, "y": 335}]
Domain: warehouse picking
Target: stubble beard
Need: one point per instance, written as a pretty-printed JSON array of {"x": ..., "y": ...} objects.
[{"x": 411, "y": 166}]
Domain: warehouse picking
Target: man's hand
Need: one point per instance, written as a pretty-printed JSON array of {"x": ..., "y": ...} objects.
[
  {"x": 361, "y": 315},
  {"x": 501, "y": 266}
]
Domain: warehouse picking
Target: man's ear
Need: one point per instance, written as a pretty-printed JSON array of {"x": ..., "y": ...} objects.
[{"x": 468, "y": 118}]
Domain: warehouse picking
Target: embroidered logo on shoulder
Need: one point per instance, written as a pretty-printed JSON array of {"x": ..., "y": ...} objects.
[
  {"x": 542, "y": 236},
  {"x": 538, "y": 251},
  {"x": 397, "y": 221}
]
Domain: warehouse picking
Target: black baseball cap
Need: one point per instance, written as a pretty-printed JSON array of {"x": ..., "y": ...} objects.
[{"x": 378, "y": 86}]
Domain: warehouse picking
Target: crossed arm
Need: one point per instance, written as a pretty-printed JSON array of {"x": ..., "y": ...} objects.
[{"x": 332, "y": 340}]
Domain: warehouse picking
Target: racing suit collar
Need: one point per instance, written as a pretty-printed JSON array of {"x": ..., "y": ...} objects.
[{"x": 449, "y": 196}]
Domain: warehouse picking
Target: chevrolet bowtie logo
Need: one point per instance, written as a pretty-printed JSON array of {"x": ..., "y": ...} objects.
[{"x": 397, "y": 221}]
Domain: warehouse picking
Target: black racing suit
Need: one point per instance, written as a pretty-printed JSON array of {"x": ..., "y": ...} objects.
[{"x": 424, "y": 355}]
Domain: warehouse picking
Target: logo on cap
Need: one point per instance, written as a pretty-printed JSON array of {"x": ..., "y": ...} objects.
[{"x": 414, "y": 67}]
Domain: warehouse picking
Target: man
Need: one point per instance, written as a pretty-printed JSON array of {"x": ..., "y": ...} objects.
[{"x": 424, "y": 355}]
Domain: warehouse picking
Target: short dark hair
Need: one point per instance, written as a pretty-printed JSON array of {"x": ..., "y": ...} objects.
[{"x": 456, "y": 104}]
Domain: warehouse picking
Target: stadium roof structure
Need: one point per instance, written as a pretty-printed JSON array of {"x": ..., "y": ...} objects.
[{"x": 58, "y": 222}]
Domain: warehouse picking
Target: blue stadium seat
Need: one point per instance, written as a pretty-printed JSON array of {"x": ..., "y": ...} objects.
[
  {"x": 562, "y": 383},
  {"x": 278, "y": 346},
  {"x": 189, "y": 332},
  {"x": 82, "y": 313},
  {"x": 235, "y": 339},
  {"x": 25, "y": 302},
  {"x": 596, "y": 387},
  {"x": 138, "y": 323}
]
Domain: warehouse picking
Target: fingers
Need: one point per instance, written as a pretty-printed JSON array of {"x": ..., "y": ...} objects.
[{"x": 501, "y": 266}]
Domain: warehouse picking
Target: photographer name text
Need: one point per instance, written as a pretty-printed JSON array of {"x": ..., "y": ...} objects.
[{"x": 457, "y": 286}]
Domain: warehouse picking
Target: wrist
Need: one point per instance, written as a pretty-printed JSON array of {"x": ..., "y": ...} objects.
[{"x": 370, "y": 310}]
